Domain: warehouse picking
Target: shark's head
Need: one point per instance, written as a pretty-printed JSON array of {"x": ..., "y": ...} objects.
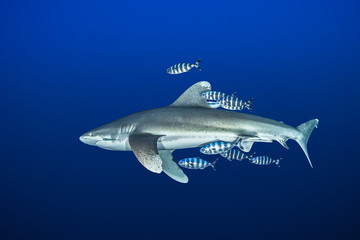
[
  {"x": 109, "y": 137},
  {"x": 92, "y": 137}
]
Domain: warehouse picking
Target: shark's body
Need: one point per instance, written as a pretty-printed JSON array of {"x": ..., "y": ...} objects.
[{"x": 188, "y": 123}]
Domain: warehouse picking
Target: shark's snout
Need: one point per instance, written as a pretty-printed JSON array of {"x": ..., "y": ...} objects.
[
  {"x": 82, "y": 138},
  {"x": 88, "y": 138}
]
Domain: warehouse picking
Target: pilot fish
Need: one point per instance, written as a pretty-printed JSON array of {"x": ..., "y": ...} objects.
[
  {"x": 213, "y": 95},
  {"x": 264, "y": 160},
  {"x": 183, "y": 67},
  {"x": 216, "y": 148},
  {"x": 231, "y": 102},
  {"x": 196, "y": 163},
  {"x": 236, "y": 154}
]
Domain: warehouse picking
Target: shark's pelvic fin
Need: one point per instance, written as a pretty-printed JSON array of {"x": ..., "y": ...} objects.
[
  {"x": 171, "y": 168},
  {"x": 245, "y": 145},
  {"x": 192, "y": 96},
  {"x": 144, "y": 147}
]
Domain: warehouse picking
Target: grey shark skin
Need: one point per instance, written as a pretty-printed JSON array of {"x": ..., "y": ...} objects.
[{"x": 188, "y": 123}]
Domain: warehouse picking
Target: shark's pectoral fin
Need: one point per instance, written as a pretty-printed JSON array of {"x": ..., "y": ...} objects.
[
  {"x": 144, "y": 147},
  {"x": 245, "y": 145},
  {"x": 170, "y": 167}
]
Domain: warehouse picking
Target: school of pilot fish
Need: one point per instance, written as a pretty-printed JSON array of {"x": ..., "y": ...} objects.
[{"x": 230, "y": 151}]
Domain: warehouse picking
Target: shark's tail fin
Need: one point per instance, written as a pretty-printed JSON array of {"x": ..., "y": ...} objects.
[
  {"x": 277, "y": 162},
  {"x": 306, "y": 130},
  {"x": 249, "y": 104},
  {"x": 197, "y": 64},
  {"x": 213, "y": 164}
]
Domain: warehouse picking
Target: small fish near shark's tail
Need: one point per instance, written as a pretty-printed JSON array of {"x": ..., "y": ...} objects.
[
  {"x": 248, "y": 104},
  {"x": 197, "y": 64},
  {"x": 277, "y": 162},
  {"x": 306, "y": 130}
]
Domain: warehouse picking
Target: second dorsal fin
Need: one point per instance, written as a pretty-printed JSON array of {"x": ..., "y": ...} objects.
[{"x": 192, "y": 96}]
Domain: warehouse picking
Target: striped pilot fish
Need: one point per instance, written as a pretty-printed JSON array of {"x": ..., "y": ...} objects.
[
  {"x": 183, "y": 67},
  {"x": 216, "y": 148},
  {"x": 231, "y": 102},
  {"x": 214, "y": 104},
  {"x": 236, "y": 154},
  {"x": 264, "y": 160},
  {"x": 196, "y": 163},
  {"x": 213, "y": 95}
]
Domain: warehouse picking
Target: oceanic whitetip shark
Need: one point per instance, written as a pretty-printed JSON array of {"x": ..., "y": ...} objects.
[{"x": 190, "y": 123}]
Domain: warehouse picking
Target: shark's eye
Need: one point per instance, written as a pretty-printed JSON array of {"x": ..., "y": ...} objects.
[{"x": 90, "y": 134}]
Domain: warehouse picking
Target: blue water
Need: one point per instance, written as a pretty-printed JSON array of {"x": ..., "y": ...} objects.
[{"x": 71, "y": 66}]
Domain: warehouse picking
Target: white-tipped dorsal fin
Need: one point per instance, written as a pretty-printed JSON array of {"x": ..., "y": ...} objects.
[{"x": 192, "y": 96}]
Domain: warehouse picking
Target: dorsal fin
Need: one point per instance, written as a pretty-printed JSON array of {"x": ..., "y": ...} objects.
[{"x": 192, "y": 96}]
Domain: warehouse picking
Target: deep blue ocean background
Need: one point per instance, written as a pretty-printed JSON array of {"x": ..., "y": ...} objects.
[{"x": 69, "y": 66}]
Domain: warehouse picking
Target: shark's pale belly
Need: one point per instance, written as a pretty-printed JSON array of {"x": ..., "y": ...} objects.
[
  {"x": 169, "y": 143},
  {"x": 172, "y": 143}
]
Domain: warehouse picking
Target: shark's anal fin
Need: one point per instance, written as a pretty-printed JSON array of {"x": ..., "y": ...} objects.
[
  {"x": 283, "y": 143},
  {"x": 144, "y": 147},
  {"x": 192, "y": 96},
  {"x": 171, "y": 168}
]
